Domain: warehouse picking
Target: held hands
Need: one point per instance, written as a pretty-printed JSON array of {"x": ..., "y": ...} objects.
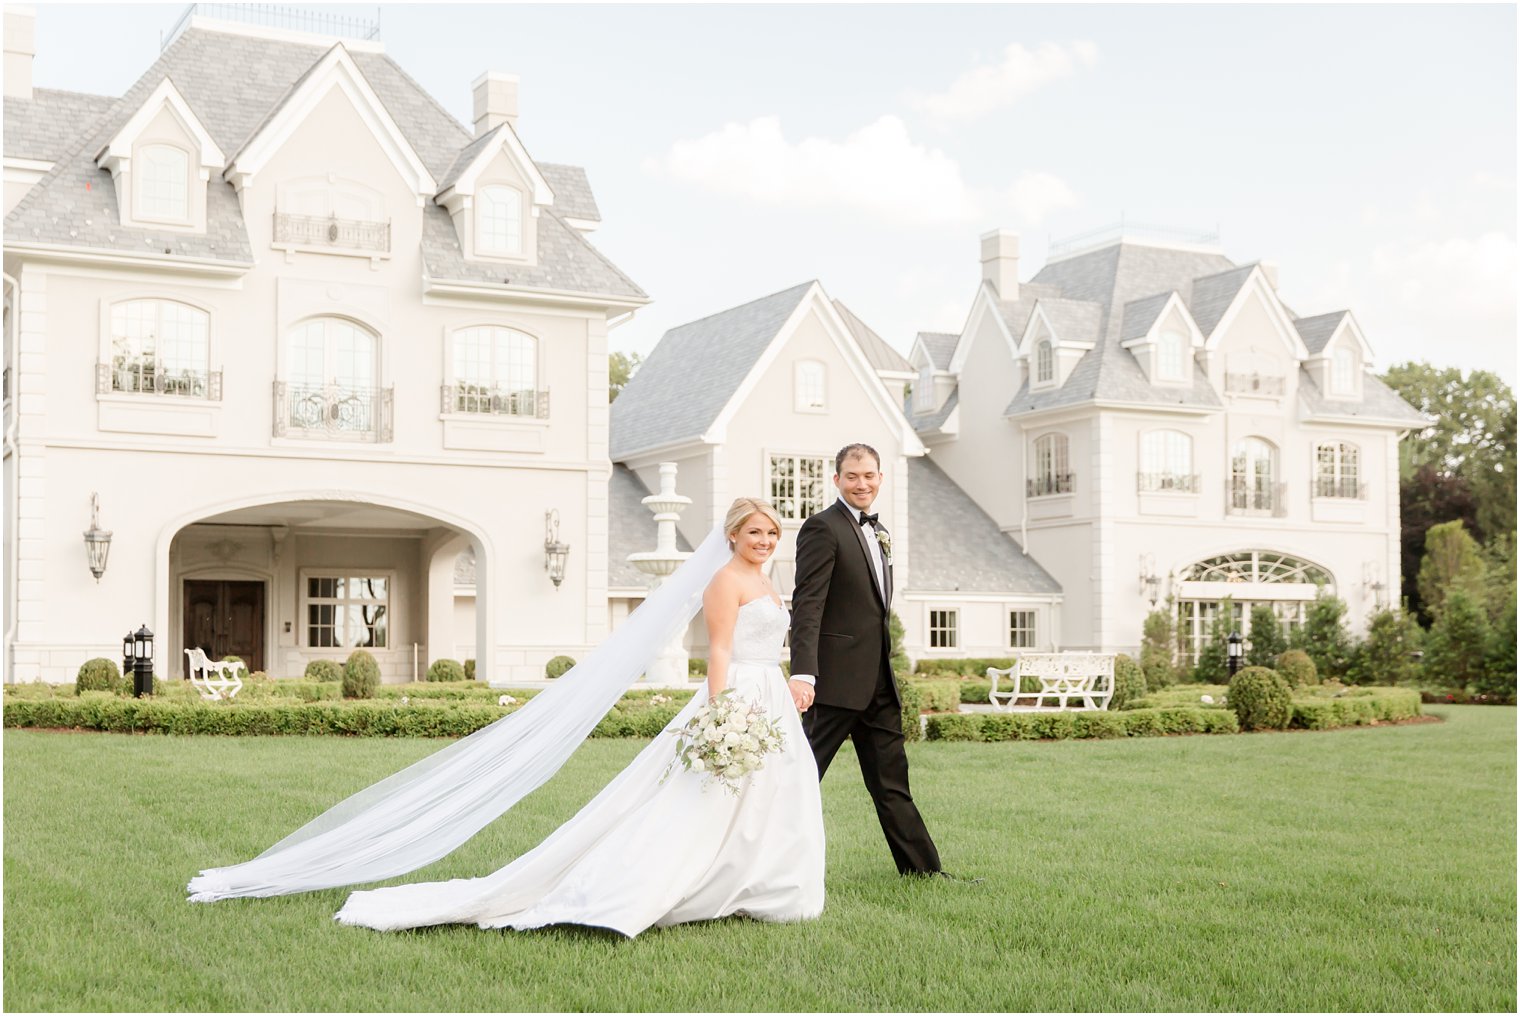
[{"x": 802, "y": 694}]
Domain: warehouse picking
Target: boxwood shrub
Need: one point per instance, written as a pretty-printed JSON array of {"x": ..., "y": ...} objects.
[
  {"x": 1357, "y": 708},
  {"x": 361, "y": 675},
  {"x": 557, "y": 667},
  {"x": 324, "y": 670},
  {"x": 1060, "y": 726},
  {"x": 911, "y": 698},
  {"x": 1129, "y": 682},
  {"x": 1297, "y": 668},
  {"x": 942, "y": 696},
  {"x": 1261, "y": 699},
  {"x": 99, "y": 674},
  {"x": 445, "y": 670},
  {"x": 970, "y": 666}
]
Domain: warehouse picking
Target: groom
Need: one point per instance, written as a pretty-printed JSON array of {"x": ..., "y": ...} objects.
[{"x": 841, "y": 651}]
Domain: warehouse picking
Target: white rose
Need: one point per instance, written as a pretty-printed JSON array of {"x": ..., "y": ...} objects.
[{"x": 698, "y": 765}]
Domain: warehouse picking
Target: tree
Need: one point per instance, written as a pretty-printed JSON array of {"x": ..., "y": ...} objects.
[
  {"x": 620, "y": 370},
  {"x": 1499, "y": 671},
  {"x": 1469, "y": 416},
  {"x": 1157, "y": 650},
  {"x": 1452, "y": 561},
  {"x": 1426, "y": 499},
  {"x": 1267, "y": 638},
  {"x": 1324, "y": 635},
  {"x": 1459, "y": 644},
  {"x": 1213, "y": 666},
  {"x": 1387, "y": 654}
]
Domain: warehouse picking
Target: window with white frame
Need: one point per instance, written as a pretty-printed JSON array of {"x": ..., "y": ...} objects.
[
  {"x": 163, "y": 183},
  {"x": 1172, "y": 357},
  {"x": 496, "y": 371},
  {"x": 798, "y": 485},
  {"x": 808, "y": 386},
  {"x": 1337, "y": 470},
  {"x": 923, "y": 397},
  {"x": 498, "y": 228},
  {"x": 1044, "y": 362},
  {"x": 1052, "y": 469},
  {"x": 159, "y": 346},
  {"x": 1343, "y": 371},
  {"x": 1021, "y": 630},
  {"x": 330, "y": 386},
  {"x": 944, "y": 629},
  {"x": 1166, "y": 462},
  {"x": 347, "y": 610},
  {"x": 1253, "y": 478}
]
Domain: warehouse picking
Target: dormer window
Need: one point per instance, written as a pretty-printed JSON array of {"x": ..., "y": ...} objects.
[
  {"x": 163, "y": 183},
  {"x": 809, "y": 387},
  {"x": 1044, "y": 362},
  {"x": 923, "y": 397},
  {"x": 1171, "y": 356},
  {"x": 499, "y": 221},
  {"x": 1343, "y": 372}
]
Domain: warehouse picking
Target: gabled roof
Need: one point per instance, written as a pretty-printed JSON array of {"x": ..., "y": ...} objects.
[
  {"x": 1213, "y": 294},
  {"x": 1378, "y": 404},
  {"x": 477, "y": 155},
  {"x": 44, "y": 127},
  {"x": 631, "y": 528},
  {"x": 882, "y": 357},
  {"x": 928, "y": 423},
  {"x": 572, "y": 192},
  {"x": 939, "y": 347},
  {"x": 957, "y": 547},
  {"x": 694, "y": 371},
  {"x": 1071, "y": 322},
  {"x": 166, "y": 95},
  {"x": 1316, "y": 331},
  {"x": 1140, "y": 316}
]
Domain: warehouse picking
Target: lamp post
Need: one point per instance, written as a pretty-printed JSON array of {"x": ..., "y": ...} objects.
[
  {"x": 1236, "y": 650},
  {"x": 142, "y": 661},
  {"x": 97, "y": 541},
  {"x": 128, "y": 654},
  {"x": 555, "y": 551}
]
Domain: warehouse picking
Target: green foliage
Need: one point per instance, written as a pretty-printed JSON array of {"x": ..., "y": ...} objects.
[
  {"x": 899, "y": 657},
  {"x": 1213, "y": 666},
  {"x": 1459, "y": 643},
  {"x": 968, "y": 666},
  {"x": 1060, "y": 726},
  {"x": 1190, "y": 695},
  {"x": 1266, "y": 638},
  {"x": 974, "y": 691},
  {"x": 620, "y": 370},
  {"x": 1472, "y": 421},
  {"x": 1297, "y": 668},
  {"x": 324, "y": 670},
  {"x": 99, "y": 674},
  {"x": 1158, "y": 650},
  {"x": 445, "y": 670},
  {"x": 1499, "y": 673},
  {"x": 558, "y": 666},
  {"x": 469, "y": 669},
  {"x": 361, "y": 675},
  {"x": 1325, "y": 637},
  {"x": 911, "y": 698},
  {"x": 696, "y": 668},
  {"x": 1129, "y": 682},
  {"x": 1452, "y": 561},
  {"x": 1382, "y": 705},
  {"x": 942, "y": 696},
  {"x": 1387, "y": 654},
  {"x": 1261, "y": 699}
]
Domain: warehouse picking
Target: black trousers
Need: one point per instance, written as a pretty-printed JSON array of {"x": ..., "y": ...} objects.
[{"x": 877, "y": 733}]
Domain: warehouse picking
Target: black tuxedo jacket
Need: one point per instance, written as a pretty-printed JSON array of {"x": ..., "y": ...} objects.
[{"x": 839, "y": 616}]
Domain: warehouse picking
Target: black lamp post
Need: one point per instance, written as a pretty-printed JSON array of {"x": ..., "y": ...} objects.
[
  {"x": 142, "y": 661},
  {"x": 128, "y": 654},
  {"x": 1236, "y": 650}
]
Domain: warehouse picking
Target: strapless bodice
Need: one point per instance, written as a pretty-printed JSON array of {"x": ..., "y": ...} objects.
[{"x": 759, "y": 632}]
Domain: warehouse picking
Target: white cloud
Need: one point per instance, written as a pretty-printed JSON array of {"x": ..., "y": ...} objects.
[
  {"x": 989, "y": 87},
  {"x": 878, "y": 168},
  {"x": 1033, "y": 196}
]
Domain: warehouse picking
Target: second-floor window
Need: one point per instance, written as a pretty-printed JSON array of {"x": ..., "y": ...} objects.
[
  {"x": 797, "y": 485},
  {"x": 809, "y": 385},
  {"x": 923, "y": 396},
  {"x": 496, "y": 371},
  {"x": 1337, "y": 470},
  {"x": 1052, "y": 466},
  {"x": 159, "y": 346},
  {"x": 1253, "y": 478},
  {"x": 1044, "y": 362},
  {"x": 330, "y": 387},
  {"x": 1343, "y": 372},
  {"x": 1172, "y": 355},
  {"x": 163, "y": 187},
  {"x": 499, "y": 225},
  {"x": 1166, "y": 462}
]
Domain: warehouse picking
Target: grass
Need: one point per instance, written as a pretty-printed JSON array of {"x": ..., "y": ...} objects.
[{"x": 1364, "y": 869}]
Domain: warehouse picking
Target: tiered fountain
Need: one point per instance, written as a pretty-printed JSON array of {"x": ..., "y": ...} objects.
[{"x": 670, "y": 668}]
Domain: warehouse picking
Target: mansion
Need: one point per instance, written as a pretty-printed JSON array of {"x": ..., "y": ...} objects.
[{"x": 310, "y": 365}]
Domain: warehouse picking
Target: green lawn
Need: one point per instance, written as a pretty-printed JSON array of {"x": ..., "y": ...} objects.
[{"x": 1363, "y": 869}]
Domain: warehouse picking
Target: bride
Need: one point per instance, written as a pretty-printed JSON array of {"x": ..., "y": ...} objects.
[{"x": 702, "y": 853}]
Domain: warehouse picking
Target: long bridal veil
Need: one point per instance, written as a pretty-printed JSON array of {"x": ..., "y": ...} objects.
[{"x": 427, "y": 809}]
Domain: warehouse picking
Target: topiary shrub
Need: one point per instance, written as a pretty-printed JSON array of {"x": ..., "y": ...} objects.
[
  {"x": 324, "y": 670},
  {"x": 912, "y": 699},
  {"x": 1261, "y": 699},
  {"x": 361, "y": 675},
  {"x": 99, "y": 674},
  {"x": 445, "y": 670},
  {"x": 556, "y": 667},
  {"x": 1156, "y": 651},
  {"x": 1129, "y": 682},
  {"x": 1297, "y": 668},
  {"x": 469, "y": 670}
]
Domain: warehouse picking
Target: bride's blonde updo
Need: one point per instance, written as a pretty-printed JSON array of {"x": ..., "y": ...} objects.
[{"x": 743, "y": 508}]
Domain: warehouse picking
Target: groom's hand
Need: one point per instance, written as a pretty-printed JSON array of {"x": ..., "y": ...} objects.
[{"x": 802, "y": 694}]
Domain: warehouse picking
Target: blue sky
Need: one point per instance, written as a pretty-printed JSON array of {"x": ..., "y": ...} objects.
[{"x": 737, "y": 150}]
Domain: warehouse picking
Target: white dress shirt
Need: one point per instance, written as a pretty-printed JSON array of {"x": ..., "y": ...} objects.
[{"x": 876, "y": 564}]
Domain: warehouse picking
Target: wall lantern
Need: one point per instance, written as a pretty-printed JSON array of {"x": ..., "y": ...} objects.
[
  {"x": 1150, "y": 582},
  {"x": 555, "y": 551},
  {"x": 97, "y": 541},
  {"x": 1237, "y": 650}
]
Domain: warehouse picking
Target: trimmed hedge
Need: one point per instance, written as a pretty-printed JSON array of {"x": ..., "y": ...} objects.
[
  {"x": 1297, "y": 668},
  {"x": 558, "y": 666},
  {"x": 1129, "y": 682},
  {"x": 445, "y": 670},
  {"x": 324, "y": 670},
  {"x": 937, "y": 696},
  {"x": 970, "y": 666},
  {"x": 911, "y": 698},
  {"x": 1061, "y": 726},
  {"x": 1355, "y": 709},
  {"x": 361, "y": 675},
  {"x": 1262, "y": 699},
  {"x": 99, "y": 674}
]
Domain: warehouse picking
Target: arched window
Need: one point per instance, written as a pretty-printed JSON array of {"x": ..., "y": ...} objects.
[
  {"x": 1044, "y": 362},
  {"x": 1343, "y": 372},
  {"x": 1052, "y": 468},
  {"x": 1337, "y": 470},
  {"x": 1172, "y": 356},
  {"x": 331, "y": 379},
  {"x": 496, "y": 371},
  {"x": 499, "y": 224},
  {"x": 1253, "y": 478},
  {"x": 160, "y": 346},
  {"x": 163, "y": 183},
  {"x": 808, "y": 395},
  {"x": 1166, "y": 462},
  {"x": 1251, "y": 578}
]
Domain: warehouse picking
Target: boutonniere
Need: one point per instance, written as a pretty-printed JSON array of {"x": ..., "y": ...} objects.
[{"x": 885, "y": 539}]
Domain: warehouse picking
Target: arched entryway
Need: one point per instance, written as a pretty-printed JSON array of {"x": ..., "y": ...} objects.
[{"x": 1285, "y": 582}]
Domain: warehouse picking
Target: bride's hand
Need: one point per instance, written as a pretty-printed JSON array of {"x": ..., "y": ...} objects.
[{"x": 802, "y": 695}]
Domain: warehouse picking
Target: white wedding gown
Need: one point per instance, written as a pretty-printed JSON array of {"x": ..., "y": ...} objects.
[{"x": 649, "y": 852}]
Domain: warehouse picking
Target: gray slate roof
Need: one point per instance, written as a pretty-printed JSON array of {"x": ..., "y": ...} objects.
[
  {"x": 958, "y": 547},
  {"x": 44, "y": 126},
  {"x": 1073, "y": 321},
  {"x": 929, "y": 422},
  {"x": 881, "y": 356},
  {"x": 572, "y": 191},
  {"x": 693, "y": 371},
  {"x": 1213, "y": 294},
  {"x": 1140, "y": 315},
  {"x": 940, "y": 346},
  {"x": 59, "y": 210},
  {"x": 631, "y": 528},
  {"x": 1378, "y": 402},
  {"x": 1316, "y": 331}
]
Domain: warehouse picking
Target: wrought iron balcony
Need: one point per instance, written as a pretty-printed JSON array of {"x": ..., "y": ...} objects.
[
  {"x": 145, "y": 376},
  {"x": 1344, "y": 487},
  {"x": 1255, "y": 384},
  {"x": 1050, "y": 483},
  {"x": 348, "y": 234},
  {"x": 338, "y": 412},
  {"x": 1244, "y": 498},
  {"x": 494, "y": 401},
  {"x": 1176, "y": 483}
]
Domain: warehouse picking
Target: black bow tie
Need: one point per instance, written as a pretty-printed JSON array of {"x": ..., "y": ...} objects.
[{"x": 868, "y": 519}]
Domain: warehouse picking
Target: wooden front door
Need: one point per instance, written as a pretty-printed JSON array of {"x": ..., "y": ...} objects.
[{"x": 225, "y": 618}]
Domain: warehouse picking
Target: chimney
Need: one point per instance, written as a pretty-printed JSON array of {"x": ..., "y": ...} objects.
[
  {"x": 495, "y": 101},
  {"x": 1000, "y": 262},
  {"x": 20, "y": 47}
]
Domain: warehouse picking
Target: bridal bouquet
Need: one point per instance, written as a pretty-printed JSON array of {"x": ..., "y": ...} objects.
[{"x": 727, "y": 739}]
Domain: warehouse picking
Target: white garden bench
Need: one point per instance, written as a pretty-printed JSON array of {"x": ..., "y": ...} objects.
[
  {"x": 214, "y": 679},
  {"x": 1086, "y": 677}
]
